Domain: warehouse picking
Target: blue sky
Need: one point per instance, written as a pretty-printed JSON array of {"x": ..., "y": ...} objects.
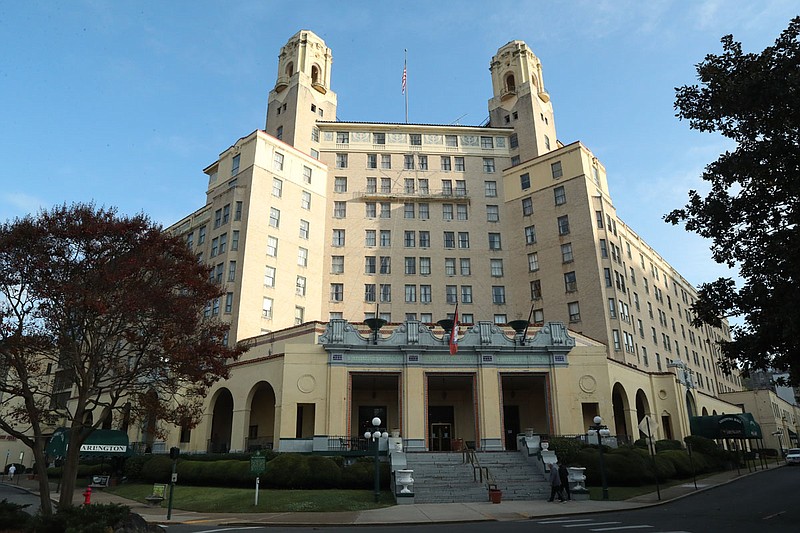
[{"x": 124, "y": 103}]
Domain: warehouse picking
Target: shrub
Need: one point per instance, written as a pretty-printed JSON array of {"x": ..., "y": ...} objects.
[
  {"x": 157, "y": 470},
  {"x": 680, "y": 460},
  {"x": 566, "y": 449},
  {"x": 662, "y": 445},
  {"x": 12, "y": 515},
  {"x": 96, "y": 518},
  {"x": 134, "y": 465},
  {"x": 288, "y": 471},
  {"x": 327, "y": 474}
]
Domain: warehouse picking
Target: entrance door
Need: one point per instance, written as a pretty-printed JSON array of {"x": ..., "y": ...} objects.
[
  {"x": 441, "y": 433},
  {"x": 511, "y": 423}
]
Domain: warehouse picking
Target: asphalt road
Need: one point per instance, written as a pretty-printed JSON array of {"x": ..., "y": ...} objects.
[
  {"x": 15, "y": 495},
  {"x": 766, "y": 503}
]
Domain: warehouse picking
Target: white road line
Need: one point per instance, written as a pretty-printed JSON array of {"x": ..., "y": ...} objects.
[
  {"x": 564, "y": 520},
  {"x": 229, "y": 529},
  {"x": 593, "y": 524},
  {"x": 619, "y": 528}
]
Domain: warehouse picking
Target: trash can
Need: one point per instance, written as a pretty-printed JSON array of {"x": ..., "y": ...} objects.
[{"x": 495, "y": 495}]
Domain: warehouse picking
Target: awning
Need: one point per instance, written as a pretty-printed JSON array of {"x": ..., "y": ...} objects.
[
  {"x": 733, "y": 426},
  {"x": 100, "y": 442}
]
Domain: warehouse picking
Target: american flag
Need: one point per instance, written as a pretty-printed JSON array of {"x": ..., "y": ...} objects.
[
  {"x": 454, "y": 334},
  {"x": 404, "y": 79}
]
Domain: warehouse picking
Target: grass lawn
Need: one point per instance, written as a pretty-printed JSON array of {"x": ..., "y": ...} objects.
[
  {"x": 225, "y": 500},
  {"x": 625, "y": 493}
]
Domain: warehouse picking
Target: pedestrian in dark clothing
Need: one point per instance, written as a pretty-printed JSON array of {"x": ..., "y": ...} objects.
[
  {"x": 555, "y": 484},
  {"x": 563, "y": 473}
]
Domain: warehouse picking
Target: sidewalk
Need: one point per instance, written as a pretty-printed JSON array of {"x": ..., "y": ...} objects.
[{"x": 415, "y": 513}]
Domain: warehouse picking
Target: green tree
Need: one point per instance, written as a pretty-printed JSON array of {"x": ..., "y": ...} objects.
[
  {"x": 752, "y": 210},
  {"x": 101, "y": 321}
]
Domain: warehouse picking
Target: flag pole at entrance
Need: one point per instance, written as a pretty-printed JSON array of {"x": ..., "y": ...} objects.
[
  {"x": 454, "y": 334},
  {"x": 405, "y": 77}
]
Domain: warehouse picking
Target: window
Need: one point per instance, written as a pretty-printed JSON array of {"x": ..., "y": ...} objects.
[
  {"x": 449, "y": 239},
  {"x": 201, "y": 235},
  {"x": 536, "y": 289},
  {"x": 566, "y": 253},
  {"x": 277, "y": 187},
  {"x": 615, "y": 334},
  {"x": 226, "y": 213},
  {"x": 341, "y": 160},
  {"x": 527, "y": 206},
  {"x": 563, "y": 225},
  {"x": 492, "y": 213},
  {"x": 386, "y": 293},
  {"x": 372, "y": 160},
  {"x": 498, "y": 295},
  {"x": 409, "y": 239},
  {"x": 410, "y": 293},
  {"x": 514, "y": 160},
  {"x": 415, "y": 139},
  {"x": 461, "y": 187},
  {"x": 315, "y": 153},
  {"x": 266, "y": 308},
  {"x": 237, "y": 215},
  {"x": 272, "y": 246},
  {"x": 425, "y": 266},
  {"x": 461, "y": 212},
  {"x": 269, "y": 276},
  {"x": 339, "y": 209},
  {"x": 315, "y": 134},
  {"x": 546, "y": 142},
  {"x": 386, "y": 161},
  {"x": 560, "y": 195},
  {"x": 337, "y": 292},
  {"x": 425, "y": 294},
  {"x": 305, "y": 200},
  {"x": 466, "y": 294},
  {"x": 459, "y": 164},
  {"x": 378, "y": 138},
  {"x": 235, "y": 240},
  {"x": 300, "y": 286},
  {"x": 408, "y": 186},
  {"x": 408, "y": 162},
  {"x": 386, "y": 238},
  {"x": 447, "y": 211},
  {"x": 488, "y": 165},
  {"x": 302, "y": 257},
  {"x": 494, "y": 241},
  {"x": 340, "y": 184},
  {"x": 555, "y": 169},
  {"x": 422, "y": 162},
  {"x": 599, "y": 217},
  {"x": 425, "y": 239},
  {"x": 424, "y": 211},
  {"x": 307, "y": 174},
  {"x": 277, "y": 162},
  {"x": 299, "y": 313},
  {"x": 342, "y": 137},
  {"x": 423, "y": 186},
  {"x": 513, "y": 141},
  {"x": 450, "y": 266},
  {"x": 490, "y": 189},
  {"x": 274, "y": 217},
  {"x": 235, "y": 164},
  {"x": 304, "y": 229},
  {"x": 446, "y": 164},
  {"x": 408, "y": 210},
  {"x": 533, "y": 262},
  {"x": 370, "y": 209},
  {"x": 338, "y": 237},
  {"x": 190, "y": 240},
  {"x": 612, "y": 308},
  {"x": 496, "y": 267},
  {"x": 525, "y": 181},
  {"x": 410, "y": 266},
  {"x": 386, "y": 209},
  {"x": 385, "y": 265},
  {"x": 370, "y": 238},
  {"x": 451, "y": 140},
  {"x": 570, "y": 282},
  {"x": 370, "y": 264},
  {"x": 530, "y": 235},
  {"x": 574, "y": 310},
  {"x": 386, "y": 185},
  {"x": 500, "y": 319},
  {"x": 214, "y": 246},
  {"x": 463, "y": 239},
  {"x": 218, "y": 272},
  {"x": 465, "y": 266},
  {"x": 217, "y": 218},
  {"x": 337, "y": 264},
  {"x": 451, "y": 294},
  {"x": 487, "y": 142},
  {"x": 372, "y": 185},
  {"x": 603, "y": 249}
]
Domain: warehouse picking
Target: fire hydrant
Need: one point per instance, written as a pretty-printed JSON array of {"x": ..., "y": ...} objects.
[{"x": 87, "y": 496}]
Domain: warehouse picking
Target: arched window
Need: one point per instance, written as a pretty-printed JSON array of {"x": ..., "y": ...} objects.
[
  {"x": 290, "y": 69},
  {"x": 510, "y": 85},
  {"x": 314, "y": 74}
]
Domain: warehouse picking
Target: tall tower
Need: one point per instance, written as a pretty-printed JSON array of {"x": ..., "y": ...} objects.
[
  {"x": 302, "y": 93},
  {"x": 520, "y": 100}
]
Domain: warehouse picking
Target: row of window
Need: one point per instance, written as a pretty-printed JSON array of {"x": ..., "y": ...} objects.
[
  {"x": 450, "y": 238},
  {"x": 417, "y": 162},
  {"x": 415, "y": 139},
  {"x": 268, "y": 304},
  {"x": 418, "y": 293}
]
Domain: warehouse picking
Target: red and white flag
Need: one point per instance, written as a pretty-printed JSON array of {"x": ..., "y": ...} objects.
[
  {"x": 454, "y": 334},
  {"x": 403, "y": 91}
]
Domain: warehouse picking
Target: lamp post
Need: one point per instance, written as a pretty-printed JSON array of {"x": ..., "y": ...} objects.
[
  {"x": 374, "y": 436},
  {"x": 779, "y": 433},
  {"x": 601, "y": 431}
]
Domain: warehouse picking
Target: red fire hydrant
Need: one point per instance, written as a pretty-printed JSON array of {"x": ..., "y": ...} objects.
[{"x": 87, "y": 496}]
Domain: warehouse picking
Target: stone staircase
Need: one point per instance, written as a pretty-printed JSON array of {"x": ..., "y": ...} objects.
[{"x": 442, "y": 477}]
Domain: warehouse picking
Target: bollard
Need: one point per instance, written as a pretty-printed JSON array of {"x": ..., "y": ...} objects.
[{"x": 87, "y": 496}]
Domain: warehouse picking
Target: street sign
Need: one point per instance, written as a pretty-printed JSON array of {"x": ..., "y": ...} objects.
[
  {"x": 648, "y": 429},
  {"x": 258, "y": 464}
]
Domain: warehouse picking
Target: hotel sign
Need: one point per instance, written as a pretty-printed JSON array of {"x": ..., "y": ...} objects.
[{"x": 104, "y": 448}]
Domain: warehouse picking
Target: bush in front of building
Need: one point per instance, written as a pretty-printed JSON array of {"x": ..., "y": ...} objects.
[
  {"x": 668, "y": 444},
  {"x": 157, "y": 469},
  {"x": 95, "y": 518},
  {"x": 288, "y": 471},
  {"x": 566, "y": 448},
  {"x": 12, "y": 516},
  {"x": 327, "y": 474}
]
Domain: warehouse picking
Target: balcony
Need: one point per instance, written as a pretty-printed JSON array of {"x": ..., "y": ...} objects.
[
  {"x": 429, "y": 195},
  {"x": 281, "y": 83}
]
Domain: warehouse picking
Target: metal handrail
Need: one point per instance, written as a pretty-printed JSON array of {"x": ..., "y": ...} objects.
[{"x": 468, "y": 455}]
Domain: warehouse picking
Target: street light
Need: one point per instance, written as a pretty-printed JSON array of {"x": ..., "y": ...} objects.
[
  {"x": 374, "y": 436},
  {"x": 779, "y": 433},
  {"x": 601, "y": 431}
]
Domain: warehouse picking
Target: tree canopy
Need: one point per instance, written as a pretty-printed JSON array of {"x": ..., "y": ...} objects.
[
  {"x": 752, "y": 209},
  {"x": 101, "y": 326}
]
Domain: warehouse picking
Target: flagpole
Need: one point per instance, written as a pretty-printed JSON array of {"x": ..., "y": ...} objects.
[{"x": 405, "y": 74}]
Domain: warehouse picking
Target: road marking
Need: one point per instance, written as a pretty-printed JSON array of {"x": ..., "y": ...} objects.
[
  {"x": 564, "y": 520},
  {"x": 620, "y": 527},
  {"x": 773, "y": 515},
  {"x": 228, "y": 529},
  {"x": 593, "y": 524}
]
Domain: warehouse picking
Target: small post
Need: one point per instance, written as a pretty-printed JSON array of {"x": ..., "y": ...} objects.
[
  {"x": 173, "y": 454},
  {"x": 691, "y": 462},
  {"x": 651, "y": 446},
  {"x": 257, "y": 482}
]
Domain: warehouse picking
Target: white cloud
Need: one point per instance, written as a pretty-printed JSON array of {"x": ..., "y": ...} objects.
[{"x": 21, "y": 203}]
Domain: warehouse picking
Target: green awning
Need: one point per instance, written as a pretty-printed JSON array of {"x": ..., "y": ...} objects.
[
  {"x": 732, "y": 426},
  {"x": 99, "y": 443}
]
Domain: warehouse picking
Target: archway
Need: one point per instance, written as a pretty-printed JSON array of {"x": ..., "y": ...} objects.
[
  {"x": 510, "y": 84},
  {"x": 261, "y": 426},
  {"x": 524, "y": 406},
  {"x": 289, "y": 69},
  {"x": 691, "y": 405},
  {"x": 221, "y": 422},
  {"x": 642, "y": 408},
  {"x": 314, "y": 74},
  {"x": 620, "y": 405}
]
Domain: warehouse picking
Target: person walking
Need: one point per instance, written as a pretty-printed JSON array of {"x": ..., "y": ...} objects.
[
  {"x": 563, "y": 473},
  {"x": 11, "y": 471},
  {"x": 555, "y": 484}
]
